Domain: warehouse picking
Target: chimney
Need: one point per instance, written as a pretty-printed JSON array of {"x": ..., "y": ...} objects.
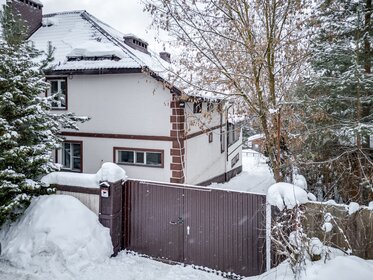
[
  {"x": 30, "y": 11},
  {"x": 166, "y": 56},
  {"x": 136, "y": 43}
]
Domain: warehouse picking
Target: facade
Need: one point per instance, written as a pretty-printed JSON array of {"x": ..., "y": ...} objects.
[{"x": 137, "y": 120}]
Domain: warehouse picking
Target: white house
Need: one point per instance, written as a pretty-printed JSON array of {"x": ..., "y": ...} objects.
[{"x": 137, "y": 120}]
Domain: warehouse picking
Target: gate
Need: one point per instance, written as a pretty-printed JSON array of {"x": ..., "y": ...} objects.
[{"x": 216, "y": 229}]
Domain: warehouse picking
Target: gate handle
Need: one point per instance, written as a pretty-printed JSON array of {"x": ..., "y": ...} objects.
[{"x": 178, "y": 222}]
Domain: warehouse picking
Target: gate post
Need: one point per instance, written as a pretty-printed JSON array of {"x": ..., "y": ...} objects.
[{"x": 110, "y": 211}]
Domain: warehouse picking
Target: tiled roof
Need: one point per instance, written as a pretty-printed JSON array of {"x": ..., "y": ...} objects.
[{"x": 72, "y": 31}]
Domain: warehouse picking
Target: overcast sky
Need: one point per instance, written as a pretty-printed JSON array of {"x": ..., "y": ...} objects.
[{"x": 126, "y": 16}]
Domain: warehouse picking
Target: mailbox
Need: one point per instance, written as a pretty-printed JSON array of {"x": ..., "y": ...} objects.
[{"x": 104, "y": 189}]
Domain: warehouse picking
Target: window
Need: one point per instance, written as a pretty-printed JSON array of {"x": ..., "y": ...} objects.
[
  {"x": 58, "y": 90},
  {"x": 197, "y": 108},
  {"x": 210, "y": 137},
  {"x": 210, "y": 106},
  {"x": 72, "y": 156},
  {"x": 234, "y": 160},
  {"x": 139, "y": 157},
  {"x": 233, "y": 133}
]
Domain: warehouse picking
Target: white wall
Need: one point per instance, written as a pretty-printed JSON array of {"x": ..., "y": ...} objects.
[
  {"x": 204, "y": 120},
  {"x": 204, "y": 160},
  {"x": 120, "y": 103},
  {"x": 99, "y": 150},
  {"x": 233, "y": 150},
  {"x": 92, "y": 201}
]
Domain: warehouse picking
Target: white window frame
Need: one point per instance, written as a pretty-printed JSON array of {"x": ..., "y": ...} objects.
[
  {"x": 72, "y": 157},
  {"x": 59, "y": 89},
  {"x": 135, "y": 153}
]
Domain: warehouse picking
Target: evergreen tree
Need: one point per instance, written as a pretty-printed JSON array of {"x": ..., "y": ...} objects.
[
  {"x": 338, "y": 96},
  {"x": 28, "y": 130}
]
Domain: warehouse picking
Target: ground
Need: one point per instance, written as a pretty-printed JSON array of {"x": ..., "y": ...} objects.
[{"x": 61, "y": 254}]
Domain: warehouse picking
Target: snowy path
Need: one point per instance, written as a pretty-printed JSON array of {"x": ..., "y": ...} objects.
[
  {"x": 255, "y": 177},
  {"x": 122, "y": 267}
]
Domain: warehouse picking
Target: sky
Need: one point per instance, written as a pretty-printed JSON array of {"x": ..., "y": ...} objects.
[{"x": 126, "y": 16}]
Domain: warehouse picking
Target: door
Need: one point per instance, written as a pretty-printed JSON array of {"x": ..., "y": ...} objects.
[{"x": 154, "y": 224}]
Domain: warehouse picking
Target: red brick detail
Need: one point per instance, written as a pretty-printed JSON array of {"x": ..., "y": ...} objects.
[
  {"x": 176, "y": 166},
  {"x": 177, "y": 180},
  {"x": 177, "y": 174},
  {"x": 177, "y": 133},
  {"x": 178, "y": 144},
  {"x": 178, "y": 112},
  {"x": 178, "y": 126},
  {"x": 175, "y": 104},
  {"x": 177, "y": 119},
  {"x": 177, "y": 152},
  {"x": 177, "y": 159}
]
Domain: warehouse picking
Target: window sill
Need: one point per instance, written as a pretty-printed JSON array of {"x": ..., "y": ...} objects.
[
  {"x": 140, "y": 165},
  {"x": 58, "y": 109}
]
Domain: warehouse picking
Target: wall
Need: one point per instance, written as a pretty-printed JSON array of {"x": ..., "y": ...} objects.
[
  {"x": 99, "y": 150},
  {"x": 233, "y": 150},
  {"x": 89, "y": 200},
  {"x": 204, "y": 160},
  {"x": 204, "y": 120},
  {"x": 133, "y": 104}
]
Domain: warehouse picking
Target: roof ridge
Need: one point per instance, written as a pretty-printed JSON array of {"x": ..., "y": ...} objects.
[
  {"x": 93, "y": 20},
  {"x": 65, "y": 13}
]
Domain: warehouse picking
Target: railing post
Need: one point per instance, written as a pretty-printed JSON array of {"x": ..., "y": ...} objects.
[{"x": 110, "y": 211}]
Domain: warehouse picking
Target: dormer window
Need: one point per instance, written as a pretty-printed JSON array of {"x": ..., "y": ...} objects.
[{"x": 136, "y": 43}]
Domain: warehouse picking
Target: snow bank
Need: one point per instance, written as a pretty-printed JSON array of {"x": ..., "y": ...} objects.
[
  {"x": 108, "y": 172},
  {"x": 286, "y": 195},
  {"x": 95, "y": 49},
  {"x": 341, "y": 268},
  {"x": 58, "y": 230}
]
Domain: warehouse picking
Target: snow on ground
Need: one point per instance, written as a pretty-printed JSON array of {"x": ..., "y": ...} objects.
[
  {"x": 59, "y": 238},
  {"x": 256, "y": 175},
  {"x": 340, "y": 268}
]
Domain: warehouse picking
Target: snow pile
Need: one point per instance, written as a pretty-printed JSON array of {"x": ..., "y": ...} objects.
[
  {"x": 300, "y": 181},
  {"x": 370, "y": 205},
  {"x": 315, "y": 246},
  {"x": 49, "y": 21},
  {"x": 57, "y": 230},
  {"x": 108, "y": 172},
  {"x": 341, "y": 268},
  {"x": 286, "y": 195},
  {"x": 95, "y": 49},
  {"x": 327, "y": 225},
  {"x": 353, "y": 207},
  {"x": 111, "y": 172}
]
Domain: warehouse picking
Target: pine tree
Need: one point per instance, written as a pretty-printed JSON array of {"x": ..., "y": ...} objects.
[
  {"x": 338, "y": 96},
  {"x": 28, "y": 130}
]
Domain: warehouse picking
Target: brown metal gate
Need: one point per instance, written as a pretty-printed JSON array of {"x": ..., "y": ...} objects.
[{"x": 217, "y": 229}]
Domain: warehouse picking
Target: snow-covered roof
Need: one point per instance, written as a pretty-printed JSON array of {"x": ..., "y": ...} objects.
[
  {"x": 255, "y": 137},
  {"x": 83, "y": 42}
]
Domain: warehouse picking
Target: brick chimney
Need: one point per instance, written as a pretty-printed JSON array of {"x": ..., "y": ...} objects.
[
  {"x": 30, "y": 11},
  {"x": 166, "y": 56}
]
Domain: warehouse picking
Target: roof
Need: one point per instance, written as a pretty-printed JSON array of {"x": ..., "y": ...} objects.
[
  {"x": 255, "y": 137},
  {"x": 78, "y": 35}
]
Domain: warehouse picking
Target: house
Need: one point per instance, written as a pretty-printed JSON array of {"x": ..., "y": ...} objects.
[
  {"x": 256, "y": 142},
  {"x": 138, "y": 120}
]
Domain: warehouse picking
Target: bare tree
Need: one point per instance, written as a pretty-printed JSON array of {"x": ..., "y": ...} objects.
[{"x": 248, "y": 50}]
